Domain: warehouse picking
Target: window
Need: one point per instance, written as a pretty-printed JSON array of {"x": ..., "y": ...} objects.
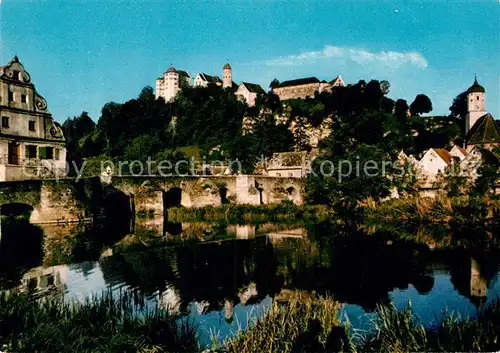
[
  {"x": 278, "y": 174},
  {"x": 46, "y": 152},
  {"x": 30, "y": 151},
  {"x": 57, "y": 154},
  {"x": 5, "y": 122},
  {"x": 15, "y": 75},
  {"x": 31, "y": 125},
  {"x": 290, "y": 174},
  {"x": 11, "y": 96},
  {"x": 49, "y": 152},
  {"x": 23, "y": 98}
]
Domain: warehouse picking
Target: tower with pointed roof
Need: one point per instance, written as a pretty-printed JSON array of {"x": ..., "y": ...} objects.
[
  {"x": 475, "y": 105},
  {"x": 227, "y": 76}
]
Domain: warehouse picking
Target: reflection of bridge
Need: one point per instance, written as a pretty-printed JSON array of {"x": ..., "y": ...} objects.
[
  {"x": 44, "y": 279},
  {"x": 71, "y": 199}
]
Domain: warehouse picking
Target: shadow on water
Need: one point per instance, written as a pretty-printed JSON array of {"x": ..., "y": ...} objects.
[
  {"x": 112, "y": 224},
  {"x": 21, "y": 243}
]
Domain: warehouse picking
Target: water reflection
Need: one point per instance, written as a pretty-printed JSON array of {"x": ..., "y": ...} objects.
[{"x": 236, "y": 270}]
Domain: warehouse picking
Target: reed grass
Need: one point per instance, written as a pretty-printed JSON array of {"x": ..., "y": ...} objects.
[
  {"x": 402, "y": 332},
  {"x": 301, "y": 324},
  {"x": 100, "y": 324},
  {"x": 250, "y": 213},
  {"x": 439, "y": 209}
]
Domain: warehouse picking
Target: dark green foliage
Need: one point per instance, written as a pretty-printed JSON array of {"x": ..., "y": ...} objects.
[
  {"x": 401, "y": 109},
  {"x": 241, "y": 214},
  {"x": 421, "y": 104},
  {"x": 488, "y": 172}
]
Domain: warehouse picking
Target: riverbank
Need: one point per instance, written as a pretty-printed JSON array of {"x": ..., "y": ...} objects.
[
  {"x": 459, "y": 210},
  {"x": 101, "y": 324},
  {"x": 310, "y": 325},
  {"x": 297, "y": 322},
  {"x": 251, "y": 213},
  {"x": 461, "y": 222}
]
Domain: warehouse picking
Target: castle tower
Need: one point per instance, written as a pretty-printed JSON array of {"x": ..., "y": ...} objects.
[
  {"x": 475, "y": 105},
  {"x": 227, "y": 76}
]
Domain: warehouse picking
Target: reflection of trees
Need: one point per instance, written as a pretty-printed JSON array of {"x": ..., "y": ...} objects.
[
  {"x": 212, "y": 272},
  {"x": 362, "y": 269}
]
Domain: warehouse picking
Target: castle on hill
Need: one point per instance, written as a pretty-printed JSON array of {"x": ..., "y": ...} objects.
[{"x": 173, "y": 80}]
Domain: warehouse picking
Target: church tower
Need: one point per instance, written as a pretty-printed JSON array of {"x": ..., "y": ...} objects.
[
  {"x": 227, "y": 76},
  {"x": 475, "y": 105}
]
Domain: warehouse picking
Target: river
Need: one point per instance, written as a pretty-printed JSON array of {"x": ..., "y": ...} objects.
[{"x": 221, "y": 276}]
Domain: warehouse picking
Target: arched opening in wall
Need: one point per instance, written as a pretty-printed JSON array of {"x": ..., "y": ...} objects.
[
  {"x": 16, "y": 211},
  {"x": 116, "y": 213},
  {"x": 172, "y": 198},
  {"x": 260, "y": 190},
  {"x": 21, "y": 243},
  {"x": 290, "y": 191},
  {"x": 223, "y": 195}
]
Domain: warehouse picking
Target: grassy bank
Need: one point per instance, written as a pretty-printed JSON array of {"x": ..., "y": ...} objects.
[
  {"x": 460, "y": 222},
  {"x": 401, "y": 332},
  {"x": 313, "y": 326},
  {"x": 250, "y": 213},
  {"x": 303, "y": 323},
  {"x": 461, "y": 210},
  {"x": 298, "y": 322},
  {"x": 101, "y": 324}
]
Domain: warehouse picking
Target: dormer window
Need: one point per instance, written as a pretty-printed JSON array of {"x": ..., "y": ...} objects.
[
  {"x": 477, "y": 97},
  {"x": 15, "y": 75},
  {"x": 23, "y": 98}
]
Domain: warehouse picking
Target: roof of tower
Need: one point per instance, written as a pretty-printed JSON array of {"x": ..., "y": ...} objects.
[
  {"x": 171, "y": 69},
  {"x": 476, "y": 87},
  {"x": 485, "y": 130},
  {"x": 226, "y": 67}
]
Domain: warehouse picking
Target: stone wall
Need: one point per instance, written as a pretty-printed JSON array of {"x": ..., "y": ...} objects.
[{"x": 70, "y": 200}]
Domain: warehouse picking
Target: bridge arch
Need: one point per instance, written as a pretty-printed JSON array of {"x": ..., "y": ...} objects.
[{"x": 20, "y": 211}]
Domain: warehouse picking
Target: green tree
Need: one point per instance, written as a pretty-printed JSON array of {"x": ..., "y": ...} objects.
[
  {"x": 401, "y": 109},
  {"x": 421, "y": 104}
]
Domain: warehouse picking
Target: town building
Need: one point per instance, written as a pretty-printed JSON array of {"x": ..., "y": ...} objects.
[
  {"x": 482, "y": 135},
  {"x": 433, "y": 165},
  {"x": 248, "y": 92},
  {"x": 304, "y": 87},
  {"x": 32, "y": 145},
  {"x": 290, "y": 164},
  {"x": 170, "y": 83},
  {"x": 203, "y": 80}
]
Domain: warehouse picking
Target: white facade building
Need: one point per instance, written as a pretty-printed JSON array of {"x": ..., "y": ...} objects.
[
  {"x": 32, "y": 145},
  {"x": 170, "y": 83}
]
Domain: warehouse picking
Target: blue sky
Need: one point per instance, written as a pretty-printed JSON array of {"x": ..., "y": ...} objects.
[{"x": 82, "y": 54}]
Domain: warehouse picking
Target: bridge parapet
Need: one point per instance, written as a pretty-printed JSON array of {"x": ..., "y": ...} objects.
[{"x": 77, "y": 199}]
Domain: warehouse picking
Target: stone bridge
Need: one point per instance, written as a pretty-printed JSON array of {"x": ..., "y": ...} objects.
[{"x": 67, "y": 200}]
